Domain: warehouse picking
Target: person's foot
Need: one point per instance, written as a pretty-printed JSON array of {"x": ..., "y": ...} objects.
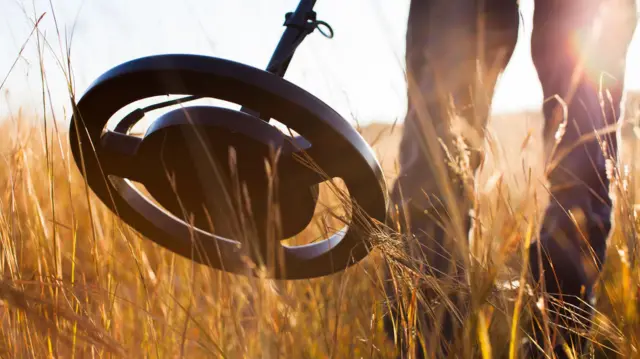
[{"x": 565, "y": 263}]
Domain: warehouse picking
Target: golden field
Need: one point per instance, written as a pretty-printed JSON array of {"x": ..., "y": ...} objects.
[{"x": 78, "y": 282}]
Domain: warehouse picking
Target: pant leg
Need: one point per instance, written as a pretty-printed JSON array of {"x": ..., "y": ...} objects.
[
  {"x": 579, "y": 52},
  {"x": 445, "y": 43}
]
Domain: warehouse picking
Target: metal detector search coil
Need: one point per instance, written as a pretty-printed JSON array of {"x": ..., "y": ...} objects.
[{"x": 183, "y": 160}]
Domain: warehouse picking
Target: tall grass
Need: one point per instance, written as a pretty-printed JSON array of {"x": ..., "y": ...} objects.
[{"x": 78, "y": 282}]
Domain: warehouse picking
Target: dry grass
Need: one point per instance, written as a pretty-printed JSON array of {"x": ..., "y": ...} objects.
[{"x": 77, "y": 282}]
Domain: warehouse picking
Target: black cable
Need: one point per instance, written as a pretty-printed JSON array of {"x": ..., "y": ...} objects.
[{"x": 136, "y": 115}]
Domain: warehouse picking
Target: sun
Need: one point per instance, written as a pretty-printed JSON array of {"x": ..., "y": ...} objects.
[{"x": 602, "y": 46}]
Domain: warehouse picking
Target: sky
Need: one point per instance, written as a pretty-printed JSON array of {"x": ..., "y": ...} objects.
[{"x": 359, "y": 72}]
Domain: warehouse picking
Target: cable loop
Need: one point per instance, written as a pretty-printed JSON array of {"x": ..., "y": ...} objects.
[
  {"x": 327, "y": 32},
  {"x": 311, "y": 24}
]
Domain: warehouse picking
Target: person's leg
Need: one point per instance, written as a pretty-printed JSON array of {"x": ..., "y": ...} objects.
[
  {"x": 579, "y": 52},
  {"x": 447, "y": 76}
]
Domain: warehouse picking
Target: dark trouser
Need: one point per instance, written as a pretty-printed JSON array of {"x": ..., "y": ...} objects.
[{"x": 455, "y": 51}]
